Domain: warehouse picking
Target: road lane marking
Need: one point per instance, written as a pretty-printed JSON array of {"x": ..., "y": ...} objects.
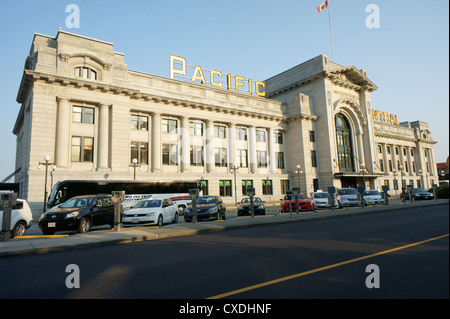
[{"x": 309, "y": 272}]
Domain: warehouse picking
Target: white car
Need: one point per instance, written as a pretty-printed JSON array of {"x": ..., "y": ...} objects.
[
  {"x": 21, "y": 218},
  {"x": 151, "y": 212},
  {"x": 372, "y": 197},
  {"x": 321, "y": 200}
]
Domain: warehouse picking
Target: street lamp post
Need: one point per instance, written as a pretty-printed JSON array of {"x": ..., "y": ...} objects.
[
  {"x": 298, "y": 172},
  {"x": 46, "y": 164},
  {"x": 134, "y": 165},
  {"x": 363, "y": 169},
  {"x": 234, "y": 170},
  {"x": 421, "y": 179}
]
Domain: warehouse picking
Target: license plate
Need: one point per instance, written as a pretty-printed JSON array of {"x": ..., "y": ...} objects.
[
  {"x": 135, "y": 220},
  {"x": 51, "y": 225}
]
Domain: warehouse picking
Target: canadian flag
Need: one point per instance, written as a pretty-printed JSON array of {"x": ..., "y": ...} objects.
[{"x": 322, "y": 6}]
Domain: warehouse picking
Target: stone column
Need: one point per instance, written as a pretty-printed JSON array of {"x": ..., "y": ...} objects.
[
  {"x": 103, "y": 137},
  {"x": 156, "y": 142},
  {"x": 62, "y": 133},
  {"x": 209, "y": 149},
  {"x": 185, "y": 145},
  {"x": 231, "y": 145},
  {"x": 252, "y": 149},
  {"x": 385, "y": 159},
  {"x": 272, "y": 159}
]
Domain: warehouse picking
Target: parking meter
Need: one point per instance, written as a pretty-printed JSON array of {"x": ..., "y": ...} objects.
[
  {"x": 434, "y": 191},
  {"x": 385, "y": 189},
  {"x": 332, "y": 192},
  {"x": 361, "y": 193},
  {"x": 289, "y": 196},
  {"x": 295, "y": 193},
  {"x": 193, "y": 195},
  {"x": 117, "y": 198},
  {"x": 251, "y": 193},
  {"x": 8, "y": 200}
]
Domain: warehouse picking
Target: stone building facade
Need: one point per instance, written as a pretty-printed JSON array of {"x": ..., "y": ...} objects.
[{"x": 83, "y": 107}]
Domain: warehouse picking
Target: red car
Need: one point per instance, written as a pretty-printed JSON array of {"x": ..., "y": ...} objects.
[{"x": 303, "y": 201}]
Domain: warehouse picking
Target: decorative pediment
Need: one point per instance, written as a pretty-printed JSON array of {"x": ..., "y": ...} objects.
[{"x": 351, "y": 77}]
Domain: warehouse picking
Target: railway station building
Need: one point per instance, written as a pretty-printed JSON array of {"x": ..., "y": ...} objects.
[{"x": 312, "y": 126}]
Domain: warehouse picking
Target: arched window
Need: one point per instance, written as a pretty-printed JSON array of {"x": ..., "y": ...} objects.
[
  {"x": 344, "y": 144},
  {"x": 85, "y": 73}
]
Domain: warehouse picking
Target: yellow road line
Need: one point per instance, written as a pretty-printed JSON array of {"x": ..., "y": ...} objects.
[
  {"x": 40, "y": 236},
  {"x": 272, "y": 282}
]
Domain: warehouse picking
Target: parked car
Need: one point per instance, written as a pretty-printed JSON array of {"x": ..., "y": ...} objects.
[
  {"x": 347, "y": 197},
  {"x": 322, "y": 200},
  {"x": 21, "y": 218},
  {"x": 244, "y": 207},
  {"x": 417, "y": 194},
  {"x": 208, "y": 207},
  {"x": 372, "y": 197},
  {"x": 79, "y": 213},
  {"x": 304, "y": 203},
  {"x": 151, "y": 212}
]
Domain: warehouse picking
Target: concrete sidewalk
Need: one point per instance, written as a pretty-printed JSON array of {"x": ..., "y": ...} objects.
[{"x": 69, "y": 240}]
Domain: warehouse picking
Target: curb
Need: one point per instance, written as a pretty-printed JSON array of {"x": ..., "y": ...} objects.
[{"x": 205, "y": 228}]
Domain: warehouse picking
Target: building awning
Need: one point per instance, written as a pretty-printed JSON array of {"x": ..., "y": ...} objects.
[{"x": 353, "y": 174}]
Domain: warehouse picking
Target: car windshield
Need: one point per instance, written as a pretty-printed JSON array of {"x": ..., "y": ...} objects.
[
  {"x": 320, "y": 195},
  {"x": 371, "y": 192},
  {"x": 247, "y": 200},
  {"x": 207, "y": 200},
  {"x": 418, "y": 190},
  {"x": 148, "y": 203},
  {"x": 347, "y": 191},
  {"x": 77, "y": 202}
]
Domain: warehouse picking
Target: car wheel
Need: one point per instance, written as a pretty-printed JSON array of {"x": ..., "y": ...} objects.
[
  {"x": 19, "y": 229},
  {"x": 175, "y": 218},
  {"x": 84, "y": 226},
  {"x": 160, "y": 220}
]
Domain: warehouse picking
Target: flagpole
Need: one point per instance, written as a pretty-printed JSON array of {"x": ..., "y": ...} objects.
[{"x": 331, "y": 34}]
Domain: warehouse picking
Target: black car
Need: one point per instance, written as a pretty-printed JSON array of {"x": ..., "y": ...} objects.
[
  {"x": 208, "y": 208},
  {"x": 79, "y": 213},
  {"x": 417, "y": 194},
  {"x": 244, "y": 207}
]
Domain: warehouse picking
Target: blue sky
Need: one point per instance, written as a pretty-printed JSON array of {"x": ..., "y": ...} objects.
[{"x": 407, "y": 57}]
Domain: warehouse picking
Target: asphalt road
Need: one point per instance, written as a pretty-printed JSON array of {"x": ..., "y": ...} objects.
[{"x": 314, "y": 259}]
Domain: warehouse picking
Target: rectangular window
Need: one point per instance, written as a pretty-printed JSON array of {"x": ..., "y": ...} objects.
[
  {"x": 312, "y": 136},
  {"x": 196, "y": 128},
  {"x": 220, "y": 155},
  {"x": 381, "y": 165},
  {"x": 242, "y": 158},
  {"x": 169, "y": 154},
  {"x": 390, "y": 165},
  {"x": 139, "y": 122},
  {"x": 412, "y": 151},
  {"x": 139, "y": 151},
  {"x": 245, "y": 184},
  {"x": 261, "y": 158},
  {"x": 82, "y": 149},
  {"x": 280, "y": 160},
  {"x": 196, "y": 155},
  {"x": 241, "y": 133},
  {"x": 81, "y": 114},
  {"x": 395, "y": 183},
  {"x": 388, "y": 148},
  {"x": 284, "y": 186},
  {"x": 169, "y": 126},
  {"x": 204, "y": 185},
  {"x": 260, "y": 135},
  {"x": 406, "y": 167},
  {"x": 225, "y": 188},
  {"x": 380, "y": 149},
  {"x": 278, "y": 138},
  {"x": 313, "y": 158},
  {"x": 219, "y": 131},
  {"x": 267, "y": 187}
]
